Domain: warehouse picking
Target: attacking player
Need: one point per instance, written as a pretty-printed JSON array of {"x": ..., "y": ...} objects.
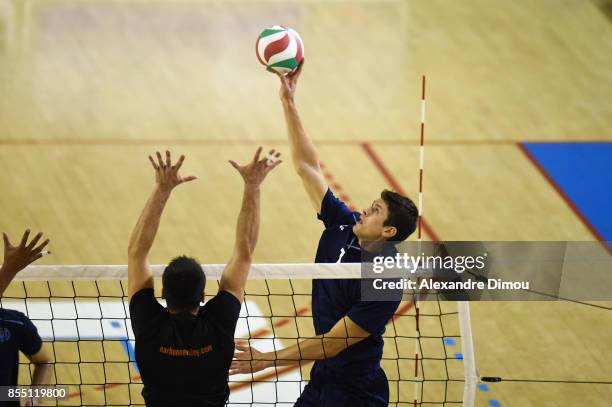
[
  {"x": 17, "y": 333},
  {"x": 184, "y": 352},
  {"x": 349, "y": 345}
]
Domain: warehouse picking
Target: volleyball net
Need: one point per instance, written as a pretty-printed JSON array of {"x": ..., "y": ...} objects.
[{"x": 82, "y": 314}]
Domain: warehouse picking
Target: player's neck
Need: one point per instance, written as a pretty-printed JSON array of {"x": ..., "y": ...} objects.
[
  {"x": 375, "y": 246},
  {"x": 193, "y": 311}
]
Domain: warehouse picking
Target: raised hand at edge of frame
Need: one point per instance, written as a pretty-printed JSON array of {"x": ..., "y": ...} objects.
[
  {"x": 166, "y": 174},
  {"x": 256, "y": 171},
  {"x": 16, "y": 258}
]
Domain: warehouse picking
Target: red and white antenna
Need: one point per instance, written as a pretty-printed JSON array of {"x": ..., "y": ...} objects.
[{"x": 417, "y": 350}]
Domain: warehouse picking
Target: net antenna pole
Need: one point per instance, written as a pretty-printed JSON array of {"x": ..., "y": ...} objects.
[
  {"x": 465, "y": 326},
  {"x": 417, "y": 346},
  {"x": 469, "y": 361}
]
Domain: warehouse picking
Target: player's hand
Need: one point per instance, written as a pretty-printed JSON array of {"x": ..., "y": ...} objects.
[
  {"x": 289, "y": 83},
  {"x": 255, "y": 172},
  {"x": 30, "y": 402},
  {"x": 16, "y": 258},
  {"x": 166, "y": 174},
  {"x": 248, "y": 360}
]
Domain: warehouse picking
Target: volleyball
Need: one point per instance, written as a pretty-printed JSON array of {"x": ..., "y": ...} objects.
[{"x": 280, "y": 49}]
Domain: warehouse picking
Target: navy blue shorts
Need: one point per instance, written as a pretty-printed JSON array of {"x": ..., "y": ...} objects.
[{"x": 328, "y": 389}]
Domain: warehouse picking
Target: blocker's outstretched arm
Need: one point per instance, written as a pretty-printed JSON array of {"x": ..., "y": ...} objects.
[
  {"x": 16, "y": 258},
  {"x": 237, "y": 269},
  {"x": 303, "y": 152},
  {"x": 344, "y": 334},
  {"x": 143, "y": 235}
]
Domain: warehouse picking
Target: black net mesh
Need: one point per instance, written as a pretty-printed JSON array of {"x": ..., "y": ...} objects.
[{"x": 85, "y": 326}]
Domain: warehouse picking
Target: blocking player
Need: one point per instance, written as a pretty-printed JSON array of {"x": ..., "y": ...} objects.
[
  {"x": 17, "y": 333},
  {"x": 184, "y": 351},
  {"x": 349, "y": 345}
]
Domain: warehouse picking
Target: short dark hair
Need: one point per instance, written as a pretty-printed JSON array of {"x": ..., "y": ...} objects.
[
  {"x": 183, "y": 281},
  {"x": 403, "y": 214}
]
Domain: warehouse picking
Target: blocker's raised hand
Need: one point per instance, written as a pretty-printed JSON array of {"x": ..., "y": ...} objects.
[
  {"x": 166, "y": 174},
  {"x": 16, "y": 258},
  {"x": 255, "y": 172}
]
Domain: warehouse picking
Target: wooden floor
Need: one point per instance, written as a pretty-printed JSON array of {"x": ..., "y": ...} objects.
[{"x": 90, "y": 87}]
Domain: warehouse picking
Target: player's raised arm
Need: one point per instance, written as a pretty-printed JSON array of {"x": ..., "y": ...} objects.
[
  {"x": 303, "y": 152},
  {"x": 143, "y": 235},
  {"x": 237, "y": 269}
]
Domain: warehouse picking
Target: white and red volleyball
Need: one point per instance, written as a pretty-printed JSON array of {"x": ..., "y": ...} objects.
[{"x": 280, "y": 49}]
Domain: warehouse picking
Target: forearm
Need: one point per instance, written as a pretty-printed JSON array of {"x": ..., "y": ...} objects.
[
  {"x": 42, "y": 373},
  {"x": 6, "y": 276},
  {"x": 145, "y": 230},
  {"x": 247, "y": 228},
  {"x": 303, "y": 151},
  {"x": 316, "y": 348}
]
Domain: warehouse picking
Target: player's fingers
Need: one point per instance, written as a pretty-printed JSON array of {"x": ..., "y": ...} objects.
[
  {"x": 266, "y": 160},
  {"x": 273, "y": 154},
  {"x": 243, "y": 346},
  {"x": 160, "y": 162},
  {"x": 36, "y": 257},
  {"x": 24, "y": 238},
  {"x": 179, "y": 163},
  {"x": 7, "y": 243},
  {"x": 234, "y": 164},
  {"x": 188, "y": 178},
  {"x": 298, "y": 71},
  {"x": 257, "y": 153},
  {"x": 41, "y": 246},
  {"x": 243, "y": 355},
  {"x": 34, "y": 241},
  {"x": 168, "y": 159},
  {"x": 155, "y": 166},
  {"x": 274, "y": 165}
]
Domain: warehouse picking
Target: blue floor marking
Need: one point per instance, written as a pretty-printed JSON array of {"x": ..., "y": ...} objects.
[{"x": 582, "y": 171}]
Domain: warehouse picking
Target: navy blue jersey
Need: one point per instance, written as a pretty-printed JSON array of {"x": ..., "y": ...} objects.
[
  {"x": 17, "y": 333},
  {"x": 332, "y": 300}
]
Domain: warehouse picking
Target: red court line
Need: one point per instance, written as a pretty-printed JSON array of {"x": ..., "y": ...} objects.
[
  {"x": 561, "y": 192},
  {"x": 336, "y": 187},
  {"x": 281, "y": 322},
  {"x": 113, "y": 141},
  {"x": 378, "y": 163}
]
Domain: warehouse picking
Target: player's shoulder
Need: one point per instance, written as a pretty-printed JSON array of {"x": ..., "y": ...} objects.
[
  {"x": 14, "y": 317},
  {"x": 223, "y": 299},
  {"x": 349, "y": 220},
  {"x": 143, "y": 295}
]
